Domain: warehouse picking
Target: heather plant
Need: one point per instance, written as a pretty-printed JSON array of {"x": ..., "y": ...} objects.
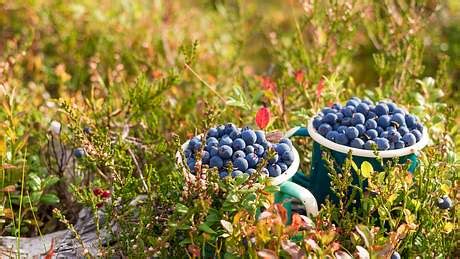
[{"x": 98, "y": 96}]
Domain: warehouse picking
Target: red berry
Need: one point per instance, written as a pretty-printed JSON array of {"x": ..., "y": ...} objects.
[
  {"x": 97, "y": 191},
  {"x": 99, "y": 205},
  {"x": 105, "y": 194}
]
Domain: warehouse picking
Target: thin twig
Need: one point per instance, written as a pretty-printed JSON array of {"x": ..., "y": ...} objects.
[
  {"x": 139, "y": 171},
  {"x": 204, "y": 82}
]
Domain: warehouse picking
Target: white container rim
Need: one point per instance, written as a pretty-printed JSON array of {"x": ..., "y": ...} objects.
[
  {"x": 290, "y": 172},
  {"x": 362, "y": 152}
]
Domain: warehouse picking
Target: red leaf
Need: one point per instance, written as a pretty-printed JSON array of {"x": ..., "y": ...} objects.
[
  {"x": 50, "y": 252},
  {"x": 263, "y": 117},
  {"x": 299, "y": 75},
  {"x": 319, "y": 88},
  {"x": 268, "y": 83}
]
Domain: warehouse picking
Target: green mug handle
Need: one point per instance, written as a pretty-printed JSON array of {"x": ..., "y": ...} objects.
[{"x": 297, "y": 191}]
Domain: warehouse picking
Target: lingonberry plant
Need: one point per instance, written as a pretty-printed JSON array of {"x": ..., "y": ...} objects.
[{"x": 97, "y": 98}]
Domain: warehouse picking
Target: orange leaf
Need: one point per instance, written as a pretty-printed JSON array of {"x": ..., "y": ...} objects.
[
  {"x": 50, "y": 252},
  {"x": 319, "y": 88},
  {"x": 263, "y": 117}
]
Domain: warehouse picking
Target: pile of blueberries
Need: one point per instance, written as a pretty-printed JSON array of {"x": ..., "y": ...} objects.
[
  {"x": 236, "y": 151},
  {"x": 365, "y": 125}
]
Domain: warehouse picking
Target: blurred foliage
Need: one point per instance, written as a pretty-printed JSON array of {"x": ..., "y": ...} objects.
[{"x": 130, "y": 80}]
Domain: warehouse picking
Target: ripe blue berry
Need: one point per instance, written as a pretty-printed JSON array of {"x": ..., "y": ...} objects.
[
  {"x": 188, "y": 152},
  {"x": 410, "y": 120},
  {"x": 357, "y": 143},
  {"x": 286, "y": 141},
  {"x": 212, "y": 141},
  {"x": 358, "y": 118},
  {"x": 367, "y": 101},
  {"x": 332, "y": 135},
  {"x": 371, "y": 124},
  {"x": 213, "y": 132},
  {"x": 274, "y": 170},
  {"x": 249, "y": 149},
  {"x": 249, "y": 136},
  {"x": 369, "y": 145},
  {"x": 79, "y": 152},
  {"x": 205, "y": 156},
  {"x": 324, "y": 129},
  {"x": 195, "y": 143},
  {"x": 403, "y": 130},
  {"x": 361, "y": 129},
  {"x": 346, "y": 121},
  {"x": 223, "y": 174},
  {"x": 221, "y": 129},
  {"x": 391, "y": 107},
  {"x": 229, "y": 128},
  {"x": 371, "y": 134},
  {"x": 362, "y": 108},
  {"x": 409, "y": 139},
  {"x": 352, "y": 102},
  {"x": 352, "y": 132},
  {"x": 381, "y": 109},
  {"x": 371, "y": 115},
  {"x": 213, "y": 151},
  {"x": 283, "y": 166},
  {"x": 380, "y": 130},
  {"x": 341, "y": 129},
  {"x": 259, "y": 150},
  {"x": 239, "y": 144},
  {"x": 328, "y": 110},
  {"x": 225, "y": 152},
  {"x": 340, "y": 116},
  {"x": 236, "y": 173},
  {"x": 445, "y": 203},
  {"x": 281, "y": 148},
  {"x": 225, "y": 141},
  {"x": 399, "y": 110},
  {"x": 330, "y": 118},
  {"x": 336, "y": 126},
  {"x": 395, "y": 255},
  {"x": 191, "y": 164},
  {"x": 384, "y": 121},
  {"x": 337, "y": 106},
  {"x": 341, "y": 139},
  {"x": 238, "y": 154},
  {"x": 260, "y": 137},
  {"x": 382, "y": 143},
  {"x": 241, "y": 163},
  {"x": 384, "y": 134},
  {"x": 398, "y": 120},
  {"x": 417, "y": 134},
  {"x": 288, "y": 157},
  {"x": 317, "y": 121},
  {"x": 235, "y": 134},
  {"x": 419, "y": 126},
  {"x": 252, "y": 160},
  {"x": 348, "y": 111},
  {"x": 399, "y": 144},
  {"x": 394, "y": 136},
  {"x": 216, "y": 161},
  {"x": 250, "y": 171}
]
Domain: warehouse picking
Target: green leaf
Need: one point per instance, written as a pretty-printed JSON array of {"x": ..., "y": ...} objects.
[
  {"x": 50, "y": 181},
  {"x": 272, "y": 188},
  {"x": 205, "y": 228},
  {"x": 181, "y": 208},
  {"x": 233, "y": 198},
  {"x": 34, "y": 182},
  {"x": 227, "y": 226},
  {"x": 49, "y": 198},
  {"x": 365, "y": 234},
  {"x": 35, "y": 197},
  {"x": 242, "y": 178},
  {"x": 366, "y": 169},
  {"x": 353, "y": 164}
]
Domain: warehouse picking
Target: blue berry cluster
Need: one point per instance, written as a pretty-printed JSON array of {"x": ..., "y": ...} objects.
[
  {"x": 445, "y": 202},
  {"x": 363, "y": 124},
  {"x": 234, "y": 151}
]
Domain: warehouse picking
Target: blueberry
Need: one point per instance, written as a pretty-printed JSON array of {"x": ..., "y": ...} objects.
[
  {"x": 264, "y": 171},
  {"x": 362, "y": 108},
  {"x": 195, "y": 143},
  {"x": 394, "y": 136},
  {"x": 340, "y": 116},
  {"x": 191, "y": 164},
  {"x": 252, "y": 160},
  {"x": 371, "y": 134},
  {"x": 324, "y": 129},
  {"x": 213, "y": 133},
  {"x": 328, "y": 110},
  {"x": 369, "y": 145},
  {"x": 221, "y": 130},
  {"x": 235, "y": 134},
  {"x": 223, "y": 174},
  {"x": 382, "y": 143},
  {"x": 357, "y": 143},
  {"x": 399, "y": 110},
  {"x": 403, "y": 130},
  {"x": 398, "y": 120},
  {"x": 336, "y": 126},
  {"x": 225, "y": 141},
  {"x": 241, "y": 164},
  {"x": 225, "y": 152},
  {"x": 419, "y": 126},
  {"x": 380, "y": 130},
  {"x": 399, "y": 144},
  {"x": 367, "y": 101},
  {"x": 417, "y": 134},
  {"x": 341, "y": 139},
  {"x": 239, "y": 144},
  {"x": 249, "y": 149},
  {"x": 274, "y": 170},
  {"x": 371, "y": 124},
  {"x": 352, "y": 102},
  {"x": 288, "y": 157},
  {"x": 273, "y": 159},
  {"x": 409, "y": 139},
  {"x": 238, "y": 154},
  {"x": 260, "y": 137},
  {"x": 188, "y": 152},
  {"x": 286, "y": 141},
  {"x": 216, "y": 161},
  {"x": 392, "y": 145},
  {"x": 212, "y": 141},
  {"x": 332, "y": 135},
  {"x": 390, "y": 129},
  {"x": 361, "y": 129},
  {"x": 317, "y": 121},
  {"x": 348, "y": 111},
  {"x": 229, "y": 128},
  {"x": 213, "y": 151},
  {"x": 346, "y": 121},
  {"x": 384, "y": 134},
  {"x": 205, "y": 156},
  {"x": 358, "y": 118},
  {"x": 283, "y": 166},
  {"x": 391, "y": 107},
  {"x": 259, "y": 150},
  {"x": 236, "y": 173},
  {"x": 410, "y": 120},
  {"x": 445, "y": 203},
  {"x": 330, "y": 118},
  {"x": 282, "y": 147},
  {"x": 251, "y": 171},
  {"x": 381, "y": 109},
  {"x": 371, "y": 115},
  {"x": 352, "y": 132},
  {"x": 249, "y": 136},
  {"x": 86, "y": 129},
  {"x": 384, "y": 121},
  {"x": 79, "y": 152},
  {"x": 341, "y": 129},
  {"x": 337, "y": 106},
  {"x": 395, "y": 255}
]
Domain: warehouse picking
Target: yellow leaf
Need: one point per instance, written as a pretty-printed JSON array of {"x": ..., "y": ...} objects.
[
  {"x": 2, "y": 147},
  {"x": 448, "y": 227},
  {"x": 445, "y": 188},
  {"x": 355, "y": 167},
  {"x": 366, "y": 169}
]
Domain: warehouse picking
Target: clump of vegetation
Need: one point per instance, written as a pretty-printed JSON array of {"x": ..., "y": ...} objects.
[{"x": 97, "y": 98}]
